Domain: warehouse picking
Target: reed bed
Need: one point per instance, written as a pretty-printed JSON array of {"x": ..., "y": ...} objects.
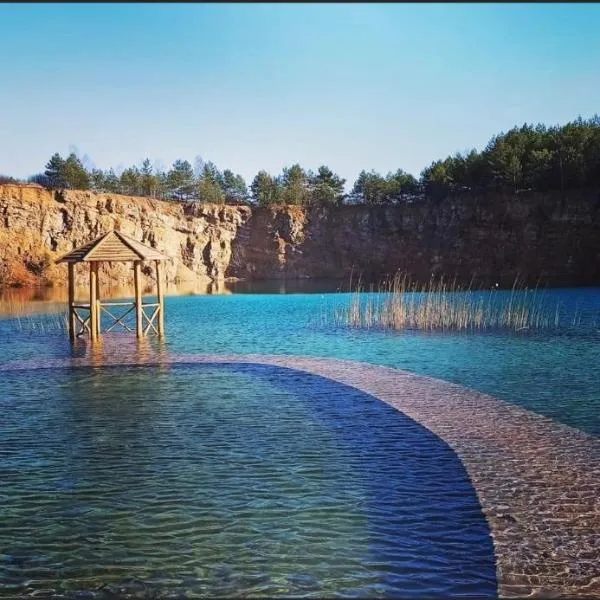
[
  {"x": 442, "y": 305},
  {"x": 34, "y": 316},
  {"x": 41, "y": 323}
]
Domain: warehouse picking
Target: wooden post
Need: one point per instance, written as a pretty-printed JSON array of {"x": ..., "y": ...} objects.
[
  {"x": 160, "y": 293},
  {"x": 72, "y": 318},
  {"x": 139, "y": 328},
  {"x": 98, "y": 311},
  {"x": 93, "y": 302}
]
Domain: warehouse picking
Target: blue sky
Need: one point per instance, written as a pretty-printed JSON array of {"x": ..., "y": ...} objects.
[{"x": 253, "y": 86}]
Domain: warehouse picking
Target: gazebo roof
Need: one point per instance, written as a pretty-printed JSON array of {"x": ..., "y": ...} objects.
[{"x": 112, "y": 246}]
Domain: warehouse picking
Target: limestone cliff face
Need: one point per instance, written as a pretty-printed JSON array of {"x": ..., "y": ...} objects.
[
  {"x": 37, "y": 226},
  {"x": 547, "y": 237}
]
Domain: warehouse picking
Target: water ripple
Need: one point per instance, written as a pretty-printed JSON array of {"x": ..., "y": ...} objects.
[{"x": 231, "y": 480}]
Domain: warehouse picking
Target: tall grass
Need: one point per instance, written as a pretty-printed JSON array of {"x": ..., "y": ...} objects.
[
  {"x": 41, "y": 323},
  {"x": 442, "y": 305},
  {"x": 34, "y": 316}
]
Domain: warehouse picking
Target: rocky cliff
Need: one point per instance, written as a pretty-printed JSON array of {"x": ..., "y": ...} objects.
[
  {"x": 37, "y": 226},
  {"x": 485, "y": 239},
  {"x": 547, "y": 237}
]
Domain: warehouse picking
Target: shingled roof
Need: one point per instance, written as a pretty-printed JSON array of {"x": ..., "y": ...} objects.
[{"x": 112, "y": 246}]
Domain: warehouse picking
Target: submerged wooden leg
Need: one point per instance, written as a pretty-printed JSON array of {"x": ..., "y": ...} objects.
[
  {"x": 139, "y": 329},
  {"x": 160, "y": 298},
  {"x": 72, "y": 317},
  {"x": 98, "y": 311},
  {"x": 93, "y": 302}
]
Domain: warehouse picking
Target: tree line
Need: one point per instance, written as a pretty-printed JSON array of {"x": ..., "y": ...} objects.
[{"x": 524, "y": 158}]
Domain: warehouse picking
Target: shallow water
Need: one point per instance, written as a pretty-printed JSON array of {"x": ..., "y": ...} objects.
[
  {"x": 551, "y": 372},
  {"x": 227, "y": 480},
  {"x": 305, "y": 487}
]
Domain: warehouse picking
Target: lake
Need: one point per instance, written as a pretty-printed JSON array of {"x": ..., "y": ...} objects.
[{"x": 252, "y": 480}]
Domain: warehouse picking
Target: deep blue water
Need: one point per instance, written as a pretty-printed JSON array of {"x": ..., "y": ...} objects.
[{"x": 227, "y": 480}]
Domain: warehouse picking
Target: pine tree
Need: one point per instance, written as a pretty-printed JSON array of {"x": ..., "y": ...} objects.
[
  {"x": 131, "y": 181},
  {"x": 76, "y": 177},
  {"x": 149, "y": 181},
  {"x": 265, "y": 189},
  {"x": 234, "y": 187},
  {"x": 98, "y": 180},
  {"x": 326, "y": 187},
  {"x": 294, "y": 182},
  {"x": 181, "y": 179},
  {"x": 111, "y": 182},
  {"x": 55, "y": 172}
]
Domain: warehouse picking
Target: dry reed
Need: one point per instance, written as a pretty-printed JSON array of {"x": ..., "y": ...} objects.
[
  {"x": 442, "y": 305},
  {"x": 33, "y": 316}
]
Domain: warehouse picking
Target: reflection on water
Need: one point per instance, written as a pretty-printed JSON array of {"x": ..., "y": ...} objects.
[
  {"x": 147, "y": 349},
  {"x": 53, "y": 300},
  {"x": 60, "y": 293},
  {"x": 28, "y": 301},
  {"x": 15, "y": 298},
  {"x": 290, "y": 286}
]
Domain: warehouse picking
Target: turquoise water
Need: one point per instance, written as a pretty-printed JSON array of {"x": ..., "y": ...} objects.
[
  {"x": 247, "y": 480},
  {"x": 552, "y": 373},
  {"x": 212, "y": 480}
]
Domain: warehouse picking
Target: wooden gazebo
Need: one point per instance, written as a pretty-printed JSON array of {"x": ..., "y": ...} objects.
[{"x": 114, "y": 246}]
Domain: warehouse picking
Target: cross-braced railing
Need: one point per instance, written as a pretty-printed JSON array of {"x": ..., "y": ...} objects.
[
  {"x": 116, "y": 320},
  {"x": 84, "y": 322},
  {"x": 85, "y": 318},
  {"x": 150, "y": 319}
]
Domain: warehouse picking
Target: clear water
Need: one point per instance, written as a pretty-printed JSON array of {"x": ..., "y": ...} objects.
[
  {"x": 211, "y": 480},
  {"x": 552, "y": 372},
  {"x": 101, "y": 484}
]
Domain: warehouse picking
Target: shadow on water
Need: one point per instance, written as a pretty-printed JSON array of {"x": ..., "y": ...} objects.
[
  {"x": 229, "y": 479},
  {"x": 424, "y": 518}
]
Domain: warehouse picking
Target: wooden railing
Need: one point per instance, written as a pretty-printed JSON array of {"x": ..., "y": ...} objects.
[{"x": 118, "y": 320}]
